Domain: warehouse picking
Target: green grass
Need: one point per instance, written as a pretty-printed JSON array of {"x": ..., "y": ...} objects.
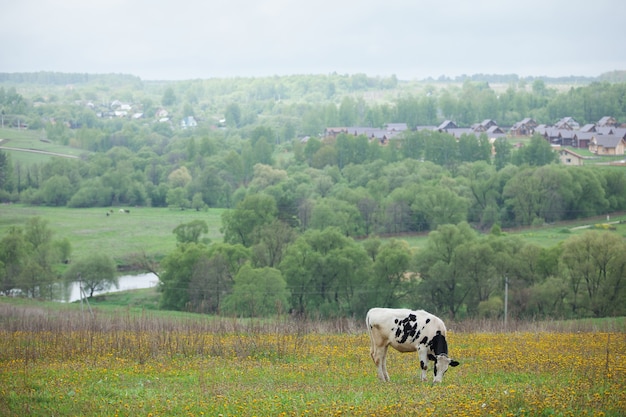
[
  {"x": 545, "y": 236},
  {"x": 63, "y": 361},
  {"x": 29, "y": 140},
  {"x": 149, "y": 230},
  {"x": 119, "y": 235}
]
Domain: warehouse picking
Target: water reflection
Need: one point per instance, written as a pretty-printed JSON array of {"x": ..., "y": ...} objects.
[{"x": 125, "y": 282}]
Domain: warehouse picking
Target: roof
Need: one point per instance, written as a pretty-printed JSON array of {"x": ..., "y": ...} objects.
[
  {"x": 608, "y": 141},
  {"x": 589, "y": 127},
  {"x": 565, "y": 150},
  {"x": 396, "y": 126},
  {"x": 447, "y": 124}
]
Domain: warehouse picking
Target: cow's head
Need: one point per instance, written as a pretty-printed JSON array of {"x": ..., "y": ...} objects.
[{"x": 442, "y": 362}]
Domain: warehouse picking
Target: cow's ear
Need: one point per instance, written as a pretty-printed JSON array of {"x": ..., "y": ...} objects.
[
  {"x": 454, "y": 363},
  {"x": 431, "y": 357}
]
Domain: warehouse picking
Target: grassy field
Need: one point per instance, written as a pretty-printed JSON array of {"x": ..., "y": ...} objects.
[
  {"x": 120, "y": 235},
  {"x": 57, "y": 360},
  {"x": 149, "y": 230},
  {"x": 20, "y": 144}
]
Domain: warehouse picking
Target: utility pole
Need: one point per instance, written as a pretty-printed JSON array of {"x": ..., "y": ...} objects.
[
  {"x": 506, "y": 301},
  {"x": 83, "y": 295}
]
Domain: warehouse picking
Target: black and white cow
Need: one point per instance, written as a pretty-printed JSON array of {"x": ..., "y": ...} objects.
[{"x": 408, "y": 331}]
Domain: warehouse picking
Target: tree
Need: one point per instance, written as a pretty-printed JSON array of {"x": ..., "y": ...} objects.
[
  {"x": 595, "y": 267},
  {"x": 5, "y": 172},
  {"x": 239, "y": 225},
  {"x": 232, "y": 115},
  {"x": 325, "y": 273},
  {"x": 331, "y": 212},
  {"x": 522, "y": 195},
  {"x": 537, "y": 153},
  {"x": 273, "y": 240},
  {"x": 444, "y": 285},
  {"x": 177, "y": 197},
  {"x": 95, "y": 274},
  {"x": 190, "y": 232},
  {"x": 257, "y": 293},
  {"x": 14, "y": 252},
  {"x": 169, "y": 97},
  {"x": 178, "y": 271},
  {"x": 56, "y": 191},
  {"x": 439, "y": 205},
  {"x": 503, "y": 150},
  {"x": 392, "y": 281}
]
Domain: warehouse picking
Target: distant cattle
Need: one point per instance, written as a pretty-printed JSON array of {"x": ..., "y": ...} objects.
[{"x": 408, "y": 331}]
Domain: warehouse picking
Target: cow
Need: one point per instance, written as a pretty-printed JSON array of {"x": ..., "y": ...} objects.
[{"x": 408, "y": 331}]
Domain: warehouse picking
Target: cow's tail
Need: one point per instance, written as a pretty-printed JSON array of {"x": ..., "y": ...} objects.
[{"x": 368, "y": 324}]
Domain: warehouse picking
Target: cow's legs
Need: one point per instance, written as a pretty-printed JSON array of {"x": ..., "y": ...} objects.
[
  {"x": 379, "y": 356},
  {"x": 423, "y": 355}
]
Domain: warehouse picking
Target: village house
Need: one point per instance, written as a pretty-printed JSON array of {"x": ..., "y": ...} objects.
[
  {"x": 607, "y": 121},
  {"x": 607, "y": 145},
  {"x": 568, "y": 157},
  {"x": 525, "y": 127}
]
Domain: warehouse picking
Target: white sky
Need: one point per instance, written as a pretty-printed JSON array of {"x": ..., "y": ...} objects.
[{"x": 413, "y": 39}]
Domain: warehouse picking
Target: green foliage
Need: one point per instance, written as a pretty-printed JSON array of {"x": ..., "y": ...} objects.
[
  {"x": 593, "y": 266},
  {"x": 254, "y": 211},
  {"x": 537, "y": 153},
  {"x": 28, "y": 257},
  {"x": 95, "y": 274},
  {"x": 257, "y": 292},
  {"x": 190, "y": 232},
  {"x": 249, "y": 155},
  {"x": 326, "y": 273},
  {"x": 178, "y": 269}
]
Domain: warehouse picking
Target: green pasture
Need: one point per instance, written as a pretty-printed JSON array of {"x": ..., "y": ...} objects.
[
  {"x": 120, "y": 235},
  {"x": 63, "y": 361},
  {"x": 550, "y": 234},
  {"x": 149, "y": 230},
  {"x": 28, "y": 147}
]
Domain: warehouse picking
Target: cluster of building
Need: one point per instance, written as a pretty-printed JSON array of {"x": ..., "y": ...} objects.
[{"x": 606, "y": 137}]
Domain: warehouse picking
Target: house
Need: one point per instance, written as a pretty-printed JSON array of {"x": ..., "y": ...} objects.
[
  {"x": 582, "y": 139},
  {"x": 484, "y": 125},
  {"x": 161, "y": 113},
  {"x": 607, "y": 121},
  {"x": 525, "y": 127},
  {"x": 589, "y": 127},
  {"x": 568, "y": 157},
  {"x": 333, "y": 132},
  {"x": 564, "y": 137},
  {"x": 446, "y": 125},
  {"x": 567, "y": 123},
  {"x": 188, "y": 122},
  {"x": 607, "y": 145}
]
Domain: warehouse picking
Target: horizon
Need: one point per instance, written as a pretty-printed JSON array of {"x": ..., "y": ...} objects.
[{"x": 161, "y": 40}]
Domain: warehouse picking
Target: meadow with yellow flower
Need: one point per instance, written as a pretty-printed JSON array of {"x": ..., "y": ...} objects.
[{"x": 64, "y": 362}]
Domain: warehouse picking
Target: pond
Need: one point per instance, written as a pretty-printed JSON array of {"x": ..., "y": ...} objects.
[{"x": 125, "y": 282}]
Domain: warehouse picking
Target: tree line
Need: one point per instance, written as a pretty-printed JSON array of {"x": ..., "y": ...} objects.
[
  {"x": 301, "y": 232},
  {"x": 412, "y": 185},
  {"x": 323, "y": 273}
]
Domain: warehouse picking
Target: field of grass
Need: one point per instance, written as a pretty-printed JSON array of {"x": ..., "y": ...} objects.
[
  {"x": 28, "y": 141},
  {"x": 149, "y": 230},
  {"x": 57, "y": 360},
  {"x": 120, "y": 235}
]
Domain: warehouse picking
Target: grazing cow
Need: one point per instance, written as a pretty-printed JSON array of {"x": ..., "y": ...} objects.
[{"x": 408, "y": 331}]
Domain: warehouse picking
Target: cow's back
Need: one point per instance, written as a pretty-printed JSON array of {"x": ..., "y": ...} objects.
[{"x": 403, "y": 329}]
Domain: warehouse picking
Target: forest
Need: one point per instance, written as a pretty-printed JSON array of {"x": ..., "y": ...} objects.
[{"x": 311, "y": 219}]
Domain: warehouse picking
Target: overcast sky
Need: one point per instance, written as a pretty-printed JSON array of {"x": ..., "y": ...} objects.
[{"x": 413, "y": 39}]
